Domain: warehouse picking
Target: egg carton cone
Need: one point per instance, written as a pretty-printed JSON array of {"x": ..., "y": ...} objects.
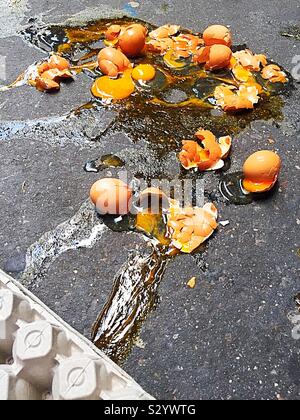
[{"x": 43, "y": 358}]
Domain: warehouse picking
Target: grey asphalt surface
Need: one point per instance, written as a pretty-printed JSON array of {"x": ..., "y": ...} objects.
[{"x": 230, "y": 337}]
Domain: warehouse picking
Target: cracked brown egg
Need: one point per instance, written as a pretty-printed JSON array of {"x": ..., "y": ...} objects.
[
  {"x": 112, "y": 62},
  {"x": 111, "y": 196},
  {"x": 153, "y": 200},
  {"x": 217, "y": 34},
  {"x": 261, "y": 171},
  {"x": 132, "y": 40},
  {"x": 219, "y": 57}
]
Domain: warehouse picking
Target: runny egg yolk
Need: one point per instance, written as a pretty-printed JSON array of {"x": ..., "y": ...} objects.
[
  {"x": 257, "y": 187},
  {"x": 116, "y": 89},
  {"x": 144, "y": 72}
]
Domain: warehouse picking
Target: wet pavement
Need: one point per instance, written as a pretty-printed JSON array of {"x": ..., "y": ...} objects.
[{"x": 230, "y": 337}]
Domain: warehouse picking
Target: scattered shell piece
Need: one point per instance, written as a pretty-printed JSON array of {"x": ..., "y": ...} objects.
[
  {"x": 139, "y": 343},
  {"x": 224, "y": 223},
  {"x": 192, "y": 283}
]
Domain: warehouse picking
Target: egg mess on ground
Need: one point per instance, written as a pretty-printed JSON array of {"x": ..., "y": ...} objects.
[
  {"x": 137, "y": 59},
  {"x": 148, "y": 73}
]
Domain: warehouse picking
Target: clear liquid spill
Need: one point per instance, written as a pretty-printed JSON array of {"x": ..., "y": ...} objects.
[
  {"x": 231, "y": 188},
  {"x": 134, "y": 296},
  {"x": 104, "y": 162}
]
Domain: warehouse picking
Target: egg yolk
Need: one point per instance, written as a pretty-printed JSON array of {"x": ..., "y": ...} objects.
[
  {"x": 107, "y": 88},
  {"x": 256, "y": 187},
  {"x": 144, "y": 72}
]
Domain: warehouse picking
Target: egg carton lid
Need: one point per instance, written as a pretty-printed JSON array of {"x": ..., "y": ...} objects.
[{"x": 36, "y": 371}]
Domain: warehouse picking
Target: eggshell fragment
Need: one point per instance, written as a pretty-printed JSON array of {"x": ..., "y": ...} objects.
[
  {"x": 45, "y": 84},
  {"x": 217, "y": 34},
  {"x": 191, "y": 226},
  {"x": 111, "y": 196},
  {"x": 231, "y": 99},
  {"x": 50, "y": 79},
  {"x": 250, "y": 61},
  {"x": 192, "y": 283},
  {"x": 58, "y": 62},
  {"x": 261, "y": 171},
  {"x": 274, "y": 74},
  {"x": 164, "y": 32},
  {"x": 113, "y": 32},
  {"x": 201, "y": 56},
  {"x": 160, "y": 46},
  {"x": 153, "y": 200},
  {"x": 207, "y": 156}
]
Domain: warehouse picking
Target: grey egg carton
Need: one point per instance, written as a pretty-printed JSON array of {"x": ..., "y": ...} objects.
[{"x": 42, "y": 357}]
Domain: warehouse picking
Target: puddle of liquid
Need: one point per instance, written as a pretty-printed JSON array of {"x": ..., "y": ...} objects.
[
  {"x": 106, "y": 161},
  {"x": 231, "y": 188},
  {"x": 168, "y": 109},
  {"x": 82, "y": 231},
  {"x": 134, "y": 297}
]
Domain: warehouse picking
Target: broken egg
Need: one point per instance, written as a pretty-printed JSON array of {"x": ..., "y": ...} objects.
[
  {"x": 132, "y": 40},
  {"x": 111, "y": 196},
  {"x": 114, "y": 89},
  {"x": 112, "y": 62},
  {"x": 50, "y": 73},
  {"x": 274, "y": 73},
  {"x": 206, "y": 156},
  {"x": 219, "y": 57},
  {"x": 261, "y": 171},
  {"x": 144, "y": 72},
  {"x": 217, "y": 34},
  {"x": 153, "y": 200}
]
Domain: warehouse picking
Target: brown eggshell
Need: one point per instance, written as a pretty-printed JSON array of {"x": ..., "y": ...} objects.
[
  {"x": 109, "y": 68},
  {"x": 219, "y": 57},
  {"x": 132, "y": 40},
  {"x": 115, "y": 56},
  {"x": 262, "y": 166},
  {"x": 58, "y": 62},
  {"x": 111, "y": 196},
  {"x": 113, "y": 32},
  {"x": 217, "y": 34},
  {"x": 153, "y": 199},
  {"x": 45, "y": 84}
]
